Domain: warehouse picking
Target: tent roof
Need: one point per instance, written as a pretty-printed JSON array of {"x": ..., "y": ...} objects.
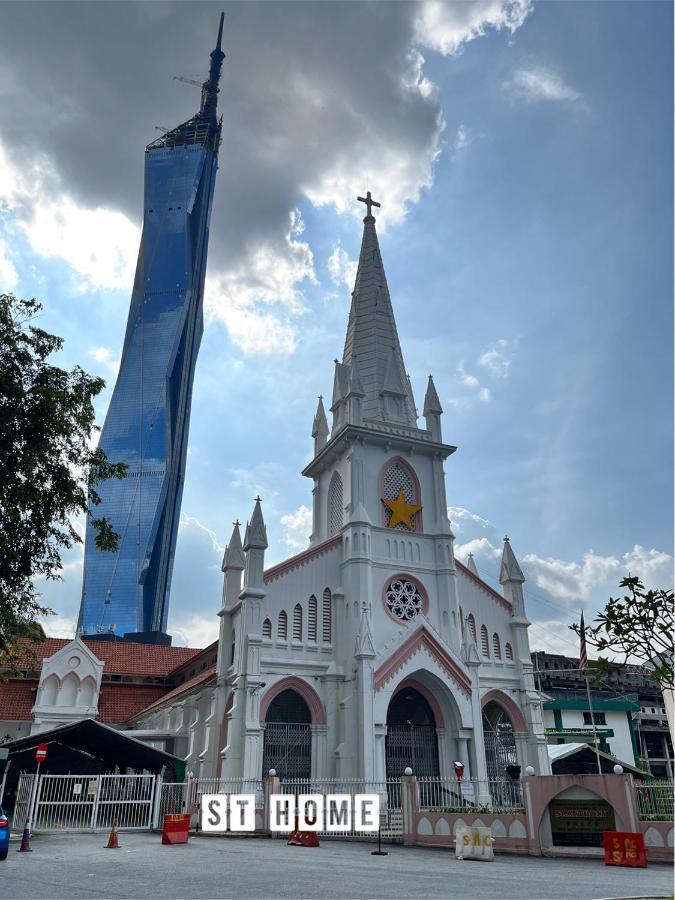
[
  {"x": 558, "y": 752},
  {"x": 94, "y": 739}
]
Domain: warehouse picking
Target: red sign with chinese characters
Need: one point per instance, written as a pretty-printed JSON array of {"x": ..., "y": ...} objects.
[
  {"x": 41, "y": 752},
  {"x": 175, "y": 829},
  {"x": 624, "y": 848}
]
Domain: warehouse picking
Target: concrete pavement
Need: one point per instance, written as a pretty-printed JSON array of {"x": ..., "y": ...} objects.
[{"x": 72, "y": 866}]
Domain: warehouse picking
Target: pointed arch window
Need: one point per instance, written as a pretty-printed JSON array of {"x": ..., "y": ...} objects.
[
  {"x": 461, "y": 621},
  {"x": 484, "y": 642},
  {"x": 327, "y": 617},
  {"x": 496, "y": 646},
  {"x": 397, "y": 477},
  {"x": 282, "y": 626},
  {"x": 508, "y": 650},
  {"x": 472, "y": 625},
  {"x": 297, "y": 622},
  {"x": 267, "y": 629},
  {"x": 312, "y": 619},
  {"x": 335, "y": 505}
]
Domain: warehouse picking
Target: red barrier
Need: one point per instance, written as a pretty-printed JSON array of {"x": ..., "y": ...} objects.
[
  {"x": 175, "y": 829},
  {"x": 624, "y": 848}
]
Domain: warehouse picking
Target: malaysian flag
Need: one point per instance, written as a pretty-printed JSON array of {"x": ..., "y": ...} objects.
[{"x": 583, "y": 656}]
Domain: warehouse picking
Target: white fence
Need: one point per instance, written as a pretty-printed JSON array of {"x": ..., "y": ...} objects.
[
  {"x": 456, "y": 795},
  {"x": 85, "y": 803},
  {"x": 389, "y": 792}
]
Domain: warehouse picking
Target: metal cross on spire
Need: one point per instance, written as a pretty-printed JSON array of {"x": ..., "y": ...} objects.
[{"x": 368, "y": 200}]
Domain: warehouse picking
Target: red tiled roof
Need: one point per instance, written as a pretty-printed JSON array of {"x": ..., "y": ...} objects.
[
  {"x": 17, "y": 698},
  {"x": 119, "y": 702},
  {"x": 193, "y": 660},
  {"x": 202, "y": 678},
  {"x": 118, "y": 657}
]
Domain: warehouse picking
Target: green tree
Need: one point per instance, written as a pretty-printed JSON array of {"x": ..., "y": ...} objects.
[
  {"x": 638, "y": 627},
  {"x": 49, "y": 469}
]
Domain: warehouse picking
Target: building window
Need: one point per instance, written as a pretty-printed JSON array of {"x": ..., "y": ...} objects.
[
  {"x": 508, "y": 649},
  {"x": 282, "y": 626},
  {"x": 327, "y": 617},
  {"x": 267, "y": 629},
  {"x": 311, "y": 619},
  {"x": 335, "y": 505},
  {"x": 484, "y": 642},
  {"x": 297, "y": 622},
  {"x": 598, "y": 716},
  {"x": 496, "y": 646},
  {"x": 472, "y": 625},
  {"x": 397, "y": 478},
  {"x": 403, "y": 599}
]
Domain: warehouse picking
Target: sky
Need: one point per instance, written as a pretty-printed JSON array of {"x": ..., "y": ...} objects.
[{"x": 522, "y": 153}]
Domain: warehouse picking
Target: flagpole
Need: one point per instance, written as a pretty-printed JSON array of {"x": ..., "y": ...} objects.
[
  {"x": 583, "y": 665},
  {"x": 595, "y": 734}
]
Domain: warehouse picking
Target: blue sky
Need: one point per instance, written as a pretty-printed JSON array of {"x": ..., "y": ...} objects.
[{"x": 523, "y": 157}]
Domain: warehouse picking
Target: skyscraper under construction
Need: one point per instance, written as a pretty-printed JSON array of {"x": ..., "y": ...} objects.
[{"x": 127, "y": 592}]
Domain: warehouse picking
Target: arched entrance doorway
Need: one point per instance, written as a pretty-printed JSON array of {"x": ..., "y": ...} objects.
[
  {"x": 500, "y": 742},
  {"x": 287, "y": 746},
  {"x": 411, "y": 735}
]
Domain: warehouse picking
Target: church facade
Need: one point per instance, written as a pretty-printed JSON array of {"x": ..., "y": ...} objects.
[{"x": 375, "y": 648}]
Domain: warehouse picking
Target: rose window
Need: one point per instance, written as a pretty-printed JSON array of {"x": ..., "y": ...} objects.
[{"x": 403, "y": 599}]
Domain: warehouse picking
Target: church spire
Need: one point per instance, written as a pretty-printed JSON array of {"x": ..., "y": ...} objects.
[
  {"x": 471, "y": 565},
  {"x": 373, "y": 338},
  {"x": 320, "y": 427}
]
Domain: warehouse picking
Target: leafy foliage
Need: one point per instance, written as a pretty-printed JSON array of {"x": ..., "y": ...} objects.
[
  {"x": 639, "y": 627},
  {"x": 49, "y": 469}
]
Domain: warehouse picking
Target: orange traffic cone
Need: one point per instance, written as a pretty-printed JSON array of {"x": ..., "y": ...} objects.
[
  {"x": 113, "y": 843},
  {"x": 25, "y": 840}
]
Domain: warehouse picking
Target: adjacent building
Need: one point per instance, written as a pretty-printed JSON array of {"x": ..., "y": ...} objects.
[
  {"x": 127, "y": 592},
  {"x": 628, "y": 711}
]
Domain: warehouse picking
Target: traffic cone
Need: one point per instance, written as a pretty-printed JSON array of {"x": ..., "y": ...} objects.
[
  {"x": 113, "y": 843},
  {"x": 25, "y": 840}
]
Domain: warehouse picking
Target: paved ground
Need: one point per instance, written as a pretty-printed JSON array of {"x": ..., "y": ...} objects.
[{"x": 77, "y": 866}]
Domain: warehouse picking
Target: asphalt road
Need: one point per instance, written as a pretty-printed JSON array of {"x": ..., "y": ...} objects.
[{"x": 76, "y": 866}]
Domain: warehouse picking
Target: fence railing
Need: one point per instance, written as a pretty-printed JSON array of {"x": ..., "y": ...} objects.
[
  {"x": 454, "y": 795},
  {"x": 389, "y": 792},
  {"x": 655, "y": 801}
]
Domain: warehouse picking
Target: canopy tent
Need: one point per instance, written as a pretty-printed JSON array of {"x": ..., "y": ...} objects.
[
  {"x": 582, "y": 759},
  {"x": 86, "y": 747}
]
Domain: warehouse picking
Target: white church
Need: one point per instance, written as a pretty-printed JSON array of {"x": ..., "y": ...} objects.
[{"x": 375, "y": 648}]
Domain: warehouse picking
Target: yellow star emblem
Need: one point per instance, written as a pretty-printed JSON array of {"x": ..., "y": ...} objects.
[{"x": 401, "y": 511}]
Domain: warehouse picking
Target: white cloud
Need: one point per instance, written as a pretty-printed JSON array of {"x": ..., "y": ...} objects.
[
  {"x": 105, "y": 357},
  {"x": 498, "y": 357},
  {"x": 297, "y": 528},
  {"x": 653, "y": 567},
  {"x": 342, "y": 269},
  {"x": 540, "y": 84},
  {"x": 470, "y": 381},
  {"x": 258, "y": 301},
  {"x": 192, "y": 522},
  {"x": 193, "y": 631},
  {"x": 481, "y": 548},
  {"x": 100, "y": 245},
  {"x": 9, "y": 277},
  {"x": 461, "y": 517},
  {"x": 445, "y": 27},
  {"x": 461, "y": 140},
  {"x": 389, "y": 168},
  {"x": 59, "y": 626}
]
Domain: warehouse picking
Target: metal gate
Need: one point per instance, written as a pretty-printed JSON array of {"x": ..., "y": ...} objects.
[
  {"x": 85, "y": 803},
  {"x": 412, "y": 745},
  {"x": 500, "y": 751},
  {"x": 287, "y": 748}
]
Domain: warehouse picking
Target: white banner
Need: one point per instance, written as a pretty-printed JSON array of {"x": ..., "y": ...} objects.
[{"x": 474, "y": 843}]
